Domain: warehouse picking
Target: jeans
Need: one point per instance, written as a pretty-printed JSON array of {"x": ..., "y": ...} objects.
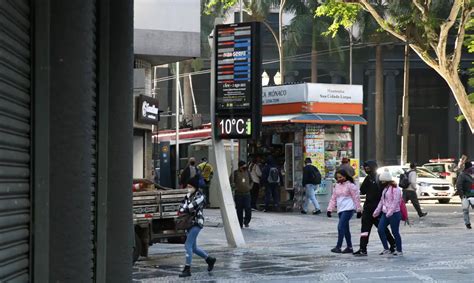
[
  {"x": 310, "y": 196},
  {"x": 411, "y": 195},
  {"x": 242, "y": 202},
  {"x": 367, "y": 222},
  {"x": 272, "y": 191},
  {"x": 394, "y": 222},
  {"x": 254, "y": 195},
  {"x": 190, "y": 246},
  {"x": 343, "y": 230},
  {"x": 466, "y": 202}
]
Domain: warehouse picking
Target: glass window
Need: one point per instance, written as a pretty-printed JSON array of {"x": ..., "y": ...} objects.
[
  {"x": 424, "y": 173},
  {"x": 437, "y": 168}
]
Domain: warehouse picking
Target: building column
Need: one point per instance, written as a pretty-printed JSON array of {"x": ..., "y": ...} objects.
[
  {"x": 369, "y": 143},
  {"x": 391, "y": 116}
]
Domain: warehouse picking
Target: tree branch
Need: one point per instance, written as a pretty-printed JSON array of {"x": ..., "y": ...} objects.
[
  {"x": 378, "y": 18},
  {"x": 431, "y": 33},
  {"x": 445, "y": 27},
  {"x": 465, "y": 17}
]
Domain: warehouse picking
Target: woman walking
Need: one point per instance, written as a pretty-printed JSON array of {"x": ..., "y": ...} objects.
[
  {"x": 346, "y": 197},
  {"x": 193, "y": 204},
  {"x": 389, "y": 206}
]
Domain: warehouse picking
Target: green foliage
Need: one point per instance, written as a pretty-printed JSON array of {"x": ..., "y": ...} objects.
[
  {"x": 217, "y": 5},
  {"x": 343, "y": 14}
]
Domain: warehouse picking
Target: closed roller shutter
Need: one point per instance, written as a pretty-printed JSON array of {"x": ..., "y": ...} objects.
[{"x": 15, "y": 140}]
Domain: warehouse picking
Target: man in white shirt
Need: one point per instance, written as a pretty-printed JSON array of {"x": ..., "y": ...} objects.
[
  {"x": 410, "y": 192},
  {"x": 255, "y": 175}
]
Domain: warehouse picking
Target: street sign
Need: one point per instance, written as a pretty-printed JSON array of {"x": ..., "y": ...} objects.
[
  {"x": 147, "y": 110},
  {"x": 238, "y": 85}
]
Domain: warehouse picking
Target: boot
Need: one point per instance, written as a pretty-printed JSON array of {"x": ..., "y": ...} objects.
[
  {"x": 210, "y": 263},
  {"x": 186, "y": 271}
]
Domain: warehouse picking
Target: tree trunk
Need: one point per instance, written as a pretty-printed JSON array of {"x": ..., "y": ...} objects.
[
  {"x": 460, "y": 94},
  {"x": 314, "y": 55},
  {"x": 379, "y": 106},
  {"x": 187, "y": 96}
]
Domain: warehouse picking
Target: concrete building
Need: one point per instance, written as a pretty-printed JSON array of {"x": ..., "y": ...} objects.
[{"x": 165, "y": 31}]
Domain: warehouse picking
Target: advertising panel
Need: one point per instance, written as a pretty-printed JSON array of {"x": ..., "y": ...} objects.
[{"x": 147, "y": 110}]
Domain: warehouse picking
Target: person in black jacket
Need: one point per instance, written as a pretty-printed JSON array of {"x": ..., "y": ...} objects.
[
  {"x": 373, "y": 193},
  {"x": 311, "y": 179}
]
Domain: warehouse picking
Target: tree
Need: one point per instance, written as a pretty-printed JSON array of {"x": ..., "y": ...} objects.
[{"x": 426, "y": 27}]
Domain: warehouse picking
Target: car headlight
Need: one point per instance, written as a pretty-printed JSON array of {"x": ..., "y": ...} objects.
[{"x": 423, "y": 184}]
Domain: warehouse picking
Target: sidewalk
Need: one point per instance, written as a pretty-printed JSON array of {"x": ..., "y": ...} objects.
[{"x": 290, "y": 247}]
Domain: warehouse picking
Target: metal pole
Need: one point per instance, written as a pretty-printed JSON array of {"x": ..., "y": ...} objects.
[
  {"x": 405, "y": 102},
  {"x": 241, "y": 12},
  {"x": 350, "y": 55},
  {"x": 192, "y": 94},
  {"x": 177, "y": 125}
]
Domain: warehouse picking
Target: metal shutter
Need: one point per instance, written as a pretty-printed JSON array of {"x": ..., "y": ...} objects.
[
  {"x": 15, "y": 140},
  {"x": 94, "y": 142}
]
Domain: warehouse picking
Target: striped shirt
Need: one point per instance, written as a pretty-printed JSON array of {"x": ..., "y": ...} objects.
[{"x": 194, "y": 204}]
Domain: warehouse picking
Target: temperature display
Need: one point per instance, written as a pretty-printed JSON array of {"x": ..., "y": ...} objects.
[{"x": 234, "y": 127}]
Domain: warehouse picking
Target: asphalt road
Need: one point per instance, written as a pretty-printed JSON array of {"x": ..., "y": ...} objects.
[{"x": 291, "y": 247}]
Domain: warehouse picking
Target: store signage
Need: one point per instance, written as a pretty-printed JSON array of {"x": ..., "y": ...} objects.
[
  {"x": 147, "y": 110},
  {"x": 238, "y": 82},
  {"x": 335, "y": 93},
  {"x": 284, "y": 94}
]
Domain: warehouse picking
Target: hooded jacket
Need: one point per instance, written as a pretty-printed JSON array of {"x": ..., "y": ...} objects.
[{"x": 371, "y": 188}]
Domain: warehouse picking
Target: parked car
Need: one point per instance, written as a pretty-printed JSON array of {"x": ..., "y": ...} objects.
[
  {"x": 430, "y": 186},
  {"x": 444, "y": 168}
]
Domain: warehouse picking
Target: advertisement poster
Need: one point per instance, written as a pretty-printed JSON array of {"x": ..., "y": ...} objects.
[{"x": 314, "y": 147}]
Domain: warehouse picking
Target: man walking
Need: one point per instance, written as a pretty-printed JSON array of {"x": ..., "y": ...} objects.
[
  {"x": 465, "y": 189},
  {"x": 409, "y": 193},
  {"x": 241, "y": 183},
  {"x": 346, "y": 167},
  {"x": 311, "y": 179},
  {"x": 189, "y": 172},
  {"x": 255, "y": 174},
  {"x": 207, "y": 171},
  {"x": 373, "y": 193},
  {"x": 272, "y": 179}
]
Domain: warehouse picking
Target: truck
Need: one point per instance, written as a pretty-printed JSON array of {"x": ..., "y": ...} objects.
[{"x": 155, "y": 209}]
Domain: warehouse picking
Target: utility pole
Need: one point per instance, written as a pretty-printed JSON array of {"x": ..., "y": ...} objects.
[
  {"x": 177, "y": 126},
  {"x": 280, "y": 39},
  {"x": 405, "y": 102}
]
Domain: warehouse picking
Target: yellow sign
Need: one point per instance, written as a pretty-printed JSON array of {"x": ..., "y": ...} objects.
[{"x": 355, "y": 164}]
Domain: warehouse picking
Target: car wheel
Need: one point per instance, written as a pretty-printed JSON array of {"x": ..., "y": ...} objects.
[
  {"x": 137, "y": 248},
  {"x": 444, "y": 201}
]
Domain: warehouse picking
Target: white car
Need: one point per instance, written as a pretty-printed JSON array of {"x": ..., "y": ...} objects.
[{"x": 429, "y": 186}]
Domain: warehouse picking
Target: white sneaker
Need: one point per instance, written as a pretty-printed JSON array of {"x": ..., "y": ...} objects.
[{"x": 385, "y": 252}]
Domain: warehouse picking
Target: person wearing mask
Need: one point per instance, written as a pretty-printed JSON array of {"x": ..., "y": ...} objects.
[
  {"x": 389, "y": 207},
  {"x": 409, "y": 194},
  {"x": 240, "y": 181},
  {"x": 345, "y": 197},
  {"x": 311, "y": 179},
  {"x": 207, "y": 172},
  {"x": 193, "y": 203},
  {"x": 255, "y": 174},
  {"x": 465, "y": 189},
  {"x": 347, "y": 167},
  {"x": 272, "y": 180},
  {"x": 189, "y": 172},
  {"x": 373, "y": 192}
]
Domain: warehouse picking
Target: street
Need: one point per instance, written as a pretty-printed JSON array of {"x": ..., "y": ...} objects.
[{"x": 291, "y": 247}]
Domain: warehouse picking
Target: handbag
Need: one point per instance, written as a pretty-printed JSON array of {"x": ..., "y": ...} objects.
[{"x": 184, "y": 221}]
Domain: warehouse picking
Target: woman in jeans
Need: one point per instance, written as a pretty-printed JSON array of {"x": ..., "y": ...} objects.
[
  {"x": 193, "y": 203},
  {"x": 345, "y": 197},
  {"x": 389, "y": 206}
]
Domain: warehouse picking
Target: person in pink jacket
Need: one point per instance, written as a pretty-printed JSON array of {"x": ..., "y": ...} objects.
[
  {"x": 345, "y": 197},
  {"x": 389, "y": 206}
]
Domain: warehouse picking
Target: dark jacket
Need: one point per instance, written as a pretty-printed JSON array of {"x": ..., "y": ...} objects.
[
  {"x": 266, "y": 171},
  {"x": 309, "y": 175},
  {"x": 464, "y": 185},
  {"x": 188, "y": 172},
  {"x": 371, "y": 189},
  {"x": 241, "y": 181}
]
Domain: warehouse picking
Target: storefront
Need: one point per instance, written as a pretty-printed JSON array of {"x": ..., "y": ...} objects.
[{"x": 310, "y": 120}]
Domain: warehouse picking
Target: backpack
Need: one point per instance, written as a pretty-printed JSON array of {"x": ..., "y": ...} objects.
[
  {"x": 317, "y": 176},
  {"x": 273, "y": 176},
  {"x": 202, "y": 182},
  {"x": 404, "y": 182}
]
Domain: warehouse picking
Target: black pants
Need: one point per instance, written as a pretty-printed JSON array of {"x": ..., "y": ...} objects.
[
  {"x": 205, "y": 190},
  {"x": 242, "y": 203},
  {"x": 254, "y": 195},
  {"x": 367, "y": 222},
  {"x": 411, "y": 195}
]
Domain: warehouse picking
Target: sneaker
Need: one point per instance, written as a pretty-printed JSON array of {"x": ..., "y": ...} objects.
[
  {"x": 395, "y": 253},
  {"x": 385, "y": 252},
  {"x": 265, "y": 210},
  {"x": 347, "y": 251},
  {"x": 303, "y": 212},
  {"x": 246, "y": 225},
  {"x": 360, "y": 253},
  {"x": 423, "y": 214},
  {"x": 392, "y": 249},
  {"x": 316, "y": 212},
  {"x": 468, "y": 226},
  {"x": 336, "y": 250}
]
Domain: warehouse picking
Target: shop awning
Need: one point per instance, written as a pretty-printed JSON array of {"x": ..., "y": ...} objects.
[{"x": 316, "y": 119}]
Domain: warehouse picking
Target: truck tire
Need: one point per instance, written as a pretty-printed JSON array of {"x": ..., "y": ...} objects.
[
  {"x": 444, "y": 201},
  {"x": 137, "y": 248},
  {"x": 177, "y": 240}
]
